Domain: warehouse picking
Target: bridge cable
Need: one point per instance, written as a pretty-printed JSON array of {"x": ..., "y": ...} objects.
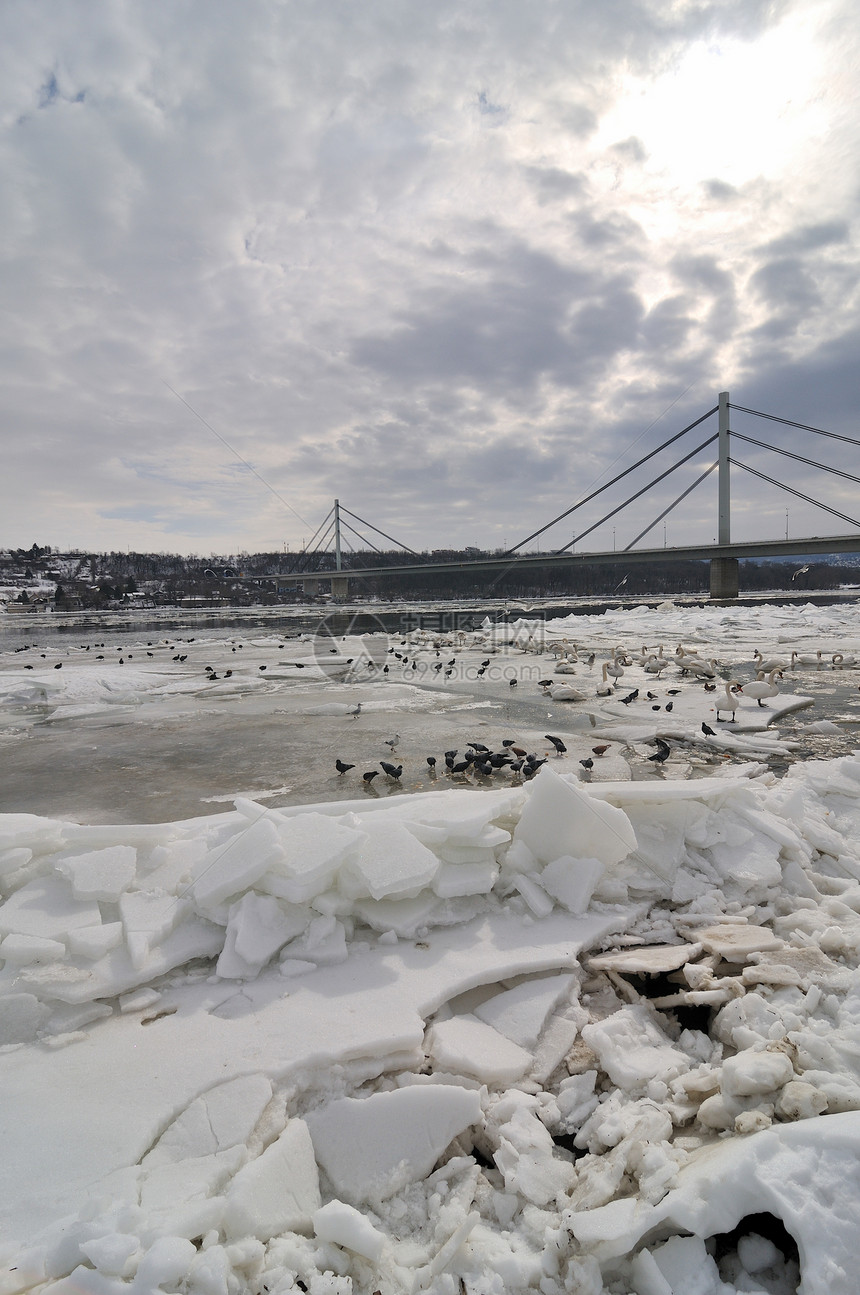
[
  {"x": 313, "y": 537},
  {"x": 638, "y": 493},
  {"x": 849, "y": 476},
  {"x": 363, "y": 538},
  {"x": 310, "y": 553},
  {"x": 399, "y": 545},
  {"x": 774, "y": 418},
  {"x": 808, "y": 499},
  {"x": 601, "y": 489},
  {"x": 707, "y": 472}
]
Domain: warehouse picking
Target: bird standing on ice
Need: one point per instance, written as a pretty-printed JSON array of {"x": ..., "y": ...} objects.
[
  {"x": 761, "y": 687},
  {"x": 730, "y": 701}
]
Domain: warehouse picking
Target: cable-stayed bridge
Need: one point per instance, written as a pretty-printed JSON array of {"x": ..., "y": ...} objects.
[{"x": 723, "y": 553}]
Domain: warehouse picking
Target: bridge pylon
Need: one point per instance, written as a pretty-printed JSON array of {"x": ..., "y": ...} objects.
[{"x": 724, "y": 575}]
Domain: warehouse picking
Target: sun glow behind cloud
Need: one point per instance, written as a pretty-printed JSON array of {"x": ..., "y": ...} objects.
[{"x": 735, "y": 110}]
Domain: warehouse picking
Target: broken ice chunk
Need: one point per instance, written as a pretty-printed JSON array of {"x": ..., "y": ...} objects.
[
  {"x": 752, "y": 1072},
  {"x": 313, "y": 848},
  {"x": 346, "y": 1226},
  {"x": 392, "y": 863},
  {"x": 735, "y": 942},
  {"x": 649, "y": 959},
  {"x": 466, "y": 1046},
  {"x": 21, "y": 950},
  {"x": 257, "y": 927},
  {"x": 572, "y": 881},
  {"x": 95, "y": 941},
  {"x": 375, "y": 1146},
  {"x": 560, "y": 818},
  {"x": 278, "y": 1192},
  {"x": 454, "y": 879},
  {"x": 146, "y": 920},
  {"x": 46, "y": 908},
  {"x": 101, "y": 874},
  {"x": 632, "y": 1049},
  {"x": 237, "y": 864},
  {"x": 521, "y": 1013}
]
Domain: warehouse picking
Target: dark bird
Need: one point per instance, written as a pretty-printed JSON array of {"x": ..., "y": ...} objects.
[
  {"x": 512, "y": 683},
  {"x": 499, "y": 761},
  {"x": 661, "y": 754},
  {"x": 228, "y": 674},
  {"x": 600, "y": 750},
  {"x": 484, "y": 664},
  {"x": 545, "y": 683},
  {"x": 58, "y": 666},
  {"x": 393, "y": 770},
  {"x": 449, "y": 755},
  {"x": 479, "y": 746},
  {"x": 560, "y": 748},
  {"x": 369, "y": 776},
  {"x": 148, "y": 653},
  {"x": 673, "y": 692},
  {"x": 587, "y": 764},
  {"x": 121, "y": 661},
  {"x": 341, "y": 767},
  {"x": 461, "y": 767},
  {"x": 669, "y": 705},
  {"x": 507, "y": 742},
  {"x": 516, "y": 766},
  {"x": 431, "y": 760},
  {"x": 213, "y": 676},
  {"x": 707, "y": 730},
  {"x": 29, "y": 667},
  {"x": 652, "y": 696},
  {"x": 631, "y": 696},
  {"x": 655, "y": 707},
  {"x": 261, "y": 667},
  {"x": 481, "y": 672},
  {"x": 710, "y": 687}
]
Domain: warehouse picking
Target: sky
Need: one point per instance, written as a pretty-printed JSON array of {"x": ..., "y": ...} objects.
[{"x": 457, "y": 265}]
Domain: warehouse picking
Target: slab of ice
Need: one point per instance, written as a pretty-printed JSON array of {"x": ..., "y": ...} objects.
[
  {"x": 736, "y": 942},
  {"x": 101, "y": 874},
  {"x": 278, "y": 1192},
  {"x": 572, "y": 881},
  {"x": 237, "y": 864},
  {"x": 465, "y": 1045},
  {"x": 455, "y": 879},
  {"x": 650, "y": 959},
  {"x": 521, "y": 1013},
  {"x": 46, "y": 907},
  {"x": 392, "y": 864},
  {"x": 95, "y": 941},
  {"x": 314, "y": 847},
  {"x": 21, "y": 950},
  {"x": 258, "y": 926},
  {"x": 403, "y": 916},
  {"x": 371, "y": 1148},
  {"x": 560, "y": 818}
]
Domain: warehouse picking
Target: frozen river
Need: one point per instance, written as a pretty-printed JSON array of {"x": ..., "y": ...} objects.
[{"x": 132, "y": 727}]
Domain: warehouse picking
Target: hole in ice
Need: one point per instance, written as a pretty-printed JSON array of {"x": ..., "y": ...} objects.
[
  {"x": 567, "y": 1143},
  {"x": 760, "y": 1247}
]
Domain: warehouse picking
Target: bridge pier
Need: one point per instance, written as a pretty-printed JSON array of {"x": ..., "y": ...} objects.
[
  {"x": 340, "y": 588},
  {"x": 724, "y": 578}
]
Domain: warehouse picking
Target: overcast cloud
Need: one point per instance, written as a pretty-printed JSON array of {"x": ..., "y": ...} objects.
[{"x": 453, "y": 263}]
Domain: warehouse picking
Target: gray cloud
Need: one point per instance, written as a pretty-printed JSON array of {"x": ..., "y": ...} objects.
[{"x": 389, "y": 253}]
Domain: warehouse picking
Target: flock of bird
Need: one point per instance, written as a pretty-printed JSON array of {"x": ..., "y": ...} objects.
[{"x": 478, "y": 759}]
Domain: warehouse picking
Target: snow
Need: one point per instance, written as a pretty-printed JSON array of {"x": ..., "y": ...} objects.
[{"x": 584, "y": 1031}]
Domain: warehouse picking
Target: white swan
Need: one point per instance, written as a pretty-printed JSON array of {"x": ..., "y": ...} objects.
[
  {"x": 761, "y": 687},
  {"x": 605, "y": 689},
  {"x": 702, "y": 669},
  {"x": 840, "y": 660},
  {"x": 731, "y": 701},
  {"x": 797, "y": 659},
  {"x": 567, "y": 693},
  {"x": 613, "y": 667},
  {"x": 655, "y": 665},
  {"x": 774, "y": 663}
]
